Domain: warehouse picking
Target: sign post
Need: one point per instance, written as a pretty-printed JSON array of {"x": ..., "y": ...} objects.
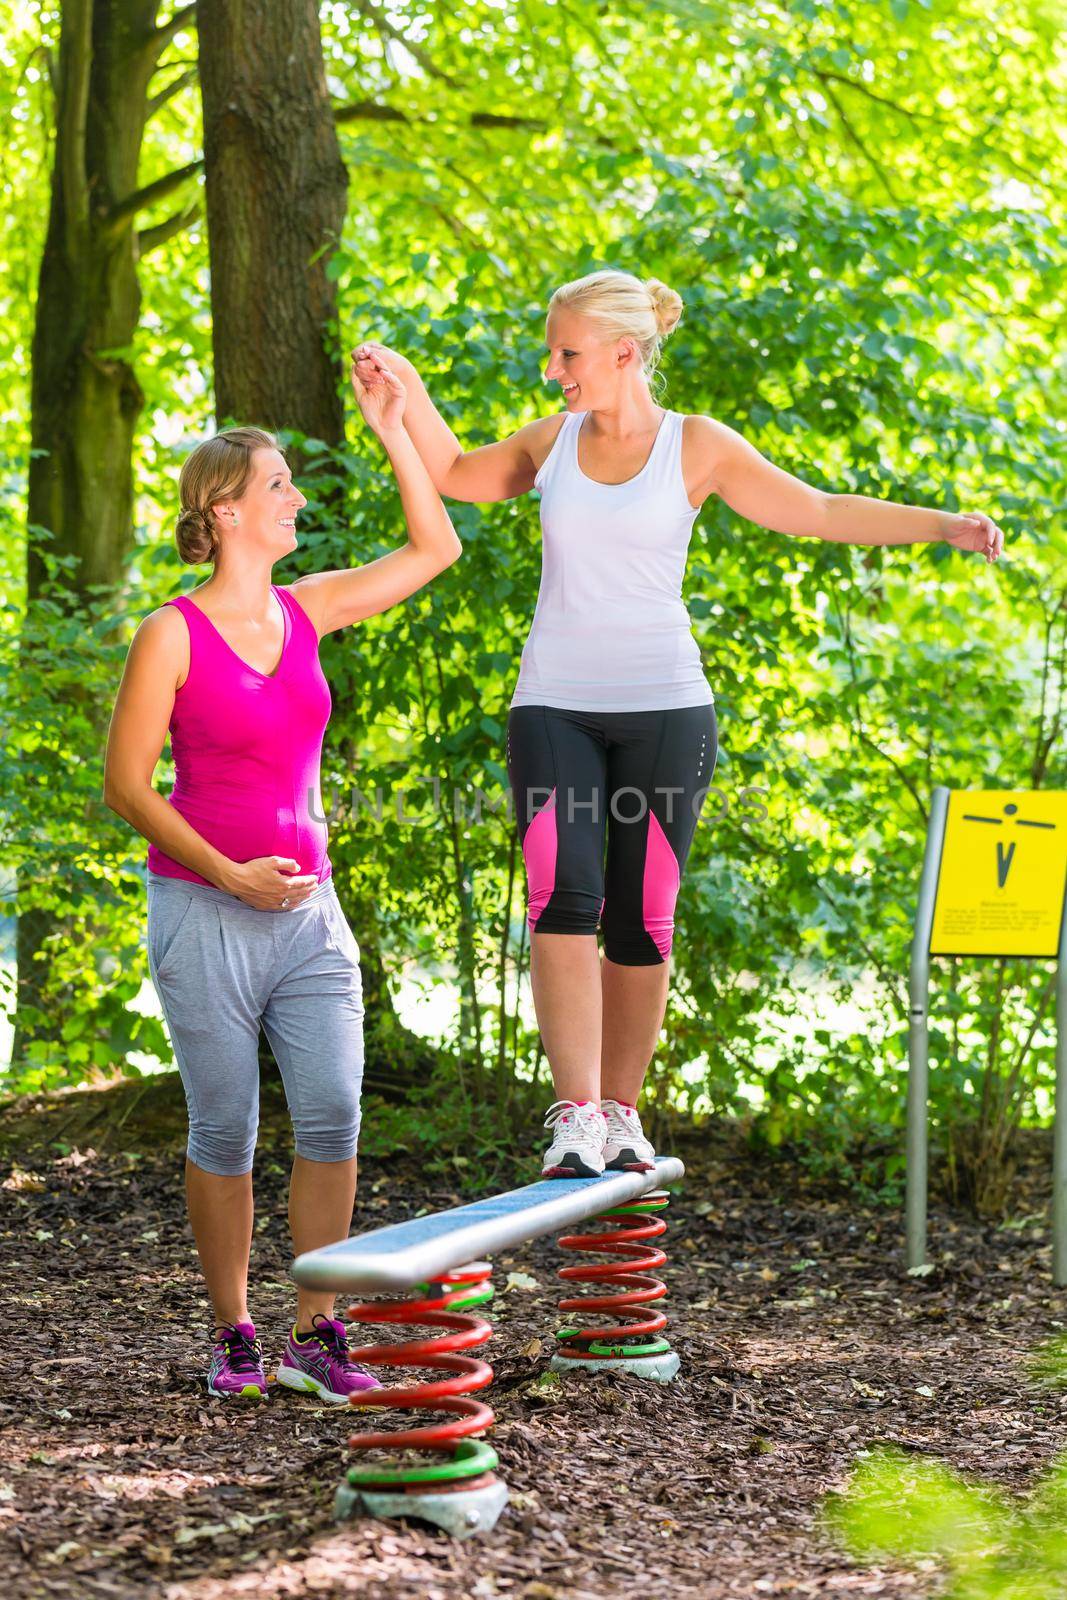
[{"x": 993, "y": 884}]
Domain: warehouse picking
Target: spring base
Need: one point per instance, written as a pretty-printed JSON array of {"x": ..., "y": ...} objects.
[
  {"x": 659, "y": 1368},
  {"x": 624, "y": 1234},
  {"x": 461, "y": 1514},
  {"x": 456, "y": 1489}
]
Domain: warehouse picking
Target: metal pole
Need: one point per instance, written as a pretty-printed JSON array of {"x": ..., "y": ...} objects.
[
  {"x": 918, "y": 1042},
  {"x": 1059, "y": 1143}
]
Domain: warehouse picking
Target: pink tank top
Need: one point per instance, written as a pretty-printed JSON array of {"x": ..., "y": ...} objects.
[{"x": 247, "y": 747}]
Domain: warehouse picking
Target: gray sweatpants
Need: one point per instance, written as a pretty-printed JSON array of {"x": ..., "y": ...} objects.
[{"x": 222, "y": 968}]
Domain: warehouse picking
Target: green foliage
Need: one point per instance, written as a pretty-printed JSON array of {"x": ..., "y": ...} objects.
[
  {"x": 862, "y": 207},
  {"x": 438, "y": 1124},
  {"x": 1048, "y": 1363},
  {"x": 74, "y": 860},
  {"x": 910, "y": 1508}
]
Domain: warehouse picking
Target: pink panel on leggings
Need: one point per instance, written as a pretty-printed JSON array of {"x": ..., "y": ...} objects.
[
  {"x": 539, "y": 852},
  {"x": 662, "y": 878}
]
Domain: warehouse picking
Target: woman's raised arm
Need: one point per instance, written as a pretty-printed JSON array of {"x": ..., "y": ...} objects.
[
  {"x": 501, "y": 471},
  {"x": 351, "y": 594}
]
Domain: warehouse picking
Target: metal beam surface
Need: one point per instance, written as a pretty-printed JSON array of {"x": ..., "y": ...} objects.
[{"x": 406, "y": 1253}]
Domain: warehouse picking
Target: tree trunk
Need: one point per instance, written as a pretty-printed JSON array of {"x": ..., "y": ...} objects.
[
  {"x": 277, "y": 192},
  {"x": 276, "y": 197},
  {"x": 85, "y": 398}
]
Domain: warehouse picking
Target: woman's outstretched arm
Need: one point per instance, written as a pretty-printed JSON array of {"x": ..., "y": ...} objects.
[
  {"x": 501, "y": 471},
  {"x": 757, "y": 489}
]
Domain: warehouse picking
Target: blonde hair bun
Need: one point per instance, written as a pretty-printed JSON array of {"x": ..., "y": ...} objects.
[{"x": 666, "y": 303}]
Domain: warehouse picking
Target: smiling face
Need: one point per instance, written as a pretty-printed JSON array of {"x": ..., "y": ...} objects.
[
  {"x": 591, "y": 373},
  {"x": 265, "y": 515}
]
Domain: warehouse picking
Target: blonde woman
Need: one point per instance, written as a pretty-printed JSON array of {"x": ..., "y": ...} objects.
[
  {"x": 244, "y": 924},
  {"x": 612, "y": 735}
]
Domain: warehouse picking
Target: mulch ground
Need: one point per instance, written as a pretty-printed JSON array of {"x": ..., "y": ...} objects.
[{"x": 803, "y": 1343}]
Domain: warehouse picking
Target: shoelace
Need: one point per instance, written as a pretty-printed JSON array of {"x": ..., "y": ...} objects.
[
  {"x": 628, "y": 1117},
  {"x": 626, "y": 1122},
  {"x": 582, "y": 1116},
  {"x": 335, "y": 1342},
  {"x": 242, "y": 1352}
]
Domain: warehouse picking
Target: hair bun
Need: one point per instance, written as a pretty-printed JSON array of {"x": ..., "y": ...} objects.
[
  {"x": 195, "y": 536},
  {"x": 666, "y": 303}
]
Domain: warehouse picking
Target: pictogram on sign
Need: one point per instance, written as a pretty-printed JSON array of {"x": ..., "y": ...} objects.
[{"x": 1003, "y": 871}]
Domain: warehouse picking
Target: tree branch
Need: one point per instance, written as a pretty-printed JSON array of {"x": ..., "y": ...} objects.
[
  {"x": 854, "y": 137},
  {"x": 462, "y": 230},
  {"x": 38, "y": 50},
  {"x": 373, "y": 111},
  {"x": 175, "y": 86},
  {"x": 824, "y": 73},
  {"x": 856, "y": 722},
  {"x": 368, "y": 110},
  {"x": 891, "y": 979},
  {"x": 1043, "y": 744},
  {"x": 1035, "y": 1022},
  {"x": 382, "y": 25},
  {"x": 497, "y": 119},
  {"x": 184, "y": 17},
  {"x": 917, "y": 118},
  {"x": 140, "y": 198},
  {"x": 75, "y": 63},
  {"x": 149, "y": 238}
]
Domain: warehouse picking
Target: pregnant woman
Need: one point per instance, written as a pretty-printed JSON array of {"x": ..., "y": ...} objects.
[
  {"x": 612, "y": 731},
  {"x": 244, "y": 924}
]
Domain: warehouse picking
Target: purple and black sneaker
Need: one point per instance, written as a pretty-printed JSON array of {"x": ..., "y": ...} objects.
[
  {"x": 237, "y": 1362},
  {"x": 320, "y": 1363}
]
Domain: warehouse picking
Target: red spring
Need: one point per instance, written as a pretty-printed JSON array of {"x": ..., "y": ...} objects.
[
  {"x": 631, "y": 1225},
  {"x": 466, "y": 1464}
]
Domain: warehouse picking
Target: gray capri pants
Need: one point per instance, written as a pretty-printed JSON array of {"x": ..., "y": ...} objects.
[{"x": 221, "y": 968}]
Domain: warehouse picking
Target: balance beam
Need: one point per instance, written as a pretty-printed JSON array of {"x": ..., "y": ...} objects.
[
  {"x": 461, "y": 1493},
  {"x": 406, "y": 1253}
]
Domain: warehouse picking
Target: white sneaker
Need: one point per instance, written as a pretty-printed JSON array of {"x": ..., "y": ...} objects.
[
  {"x": 577, "y": 1151},
  {"x": 625, "y": 1147}
]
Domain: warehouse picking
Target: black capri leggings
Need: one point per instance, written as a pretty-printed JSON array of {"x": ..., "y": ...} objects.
[{"x": 640, "y": 777}]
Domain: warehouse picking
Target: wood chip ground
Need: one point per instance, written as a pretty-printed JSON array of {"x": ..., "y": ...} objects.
[{"x": 802, "y": 1341}]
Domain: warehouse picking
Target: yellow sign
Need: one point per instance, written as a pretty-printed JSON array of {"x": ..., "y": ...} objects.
[{"x": 1000, "y": 888}]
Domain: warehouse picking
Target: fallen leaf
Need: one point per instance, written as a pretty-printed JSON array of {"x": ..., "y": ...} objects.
[
  {"x": 64, "y": 1551},
  {"x": 24, "y": 1182},
  {"x": 203, "y": 1530}
]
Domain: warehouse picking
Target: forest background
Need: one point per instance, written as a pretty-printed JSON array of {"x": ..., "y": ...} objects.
[{"x": 862, "y": 207}]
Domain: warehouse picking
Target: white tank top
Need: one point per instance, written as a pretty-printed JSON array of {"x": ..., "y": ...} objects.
[{"x": 610, "y": 631}]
